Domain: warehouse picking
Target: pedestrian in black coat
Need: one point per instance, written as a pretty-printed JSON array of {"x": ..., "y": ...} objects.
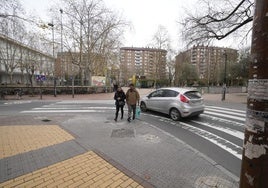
[{"x": 119, "y": 98}]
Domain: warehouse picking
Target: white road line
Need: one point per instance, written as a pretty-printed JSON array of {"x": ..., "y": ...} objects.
[
  {"x": 226, "y": 109},
  {"x": 62, "y": 111},
  {"x": 226, "y": 112},
  {"x": 214, "y": 139},
  {"x": 225, "y": 115},
  {"x": 80, "y": 108},
  {"x": 229, "y": 131}
]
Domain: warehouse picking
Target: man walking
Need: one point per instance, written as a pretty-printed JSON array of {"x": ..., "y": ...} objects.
[{"x": 132, "y": 99}]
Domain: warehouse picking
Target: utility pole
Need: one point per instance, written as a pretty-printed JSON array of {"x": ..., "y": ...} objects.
[
  {"x": 53, "y": 52},
  {"x": 254, "y": 167},
  {"x": 224, "y": 87},
  {"x": 61, "y": 49}
]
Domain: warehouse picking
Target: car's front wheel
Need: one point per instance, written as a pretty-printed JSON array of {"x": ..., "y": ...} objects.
[
  {"x": 143, "y": 107},
  {"x": 175, "y": 114}
]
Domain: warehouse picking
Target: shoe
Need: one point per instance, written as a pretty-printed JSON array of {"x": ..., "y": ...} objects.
[
  {"x": 115, "y": 119},
  {"x": 128, "y": 119}
]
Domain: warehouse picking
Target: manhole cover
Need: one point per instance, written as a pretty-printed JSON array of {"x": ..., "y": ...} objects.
[
  {"x": 122, "y": 133},
  {"x": 46, "y": 120}
]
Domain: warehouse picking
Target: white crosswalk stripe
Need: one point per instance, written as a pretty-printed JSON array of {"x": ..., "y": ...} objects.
[
  {"x": 239, "y": 115},
  {"x": 69, "y": 108}
]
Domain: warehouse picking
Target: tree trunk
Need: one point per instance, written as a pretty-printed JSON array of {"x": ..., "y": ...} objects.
[{"x": 254, "y": 168}]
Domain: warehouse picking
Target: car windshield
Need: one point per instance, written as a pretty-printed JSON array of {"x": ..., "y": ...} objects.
[{"x": 193, "y": 95}]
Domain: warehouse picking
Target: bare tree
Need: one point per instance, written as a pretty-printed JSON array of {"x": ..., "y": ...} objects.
[
  {"x": 90, "y": 29},
  {"x": 217, "y": 20},
  {"x": 161, "y": 41}
]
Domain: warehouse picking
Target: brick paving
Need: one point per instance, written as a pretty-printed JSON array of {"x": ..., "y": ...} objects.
[
  {"x": 20, "y": 139},
  {"x": 86, "y": 170}
]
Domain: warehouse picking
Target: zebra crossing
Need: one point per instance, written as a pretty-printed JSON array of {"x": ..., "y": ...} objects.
[
  {"x": 67, "y": 107},
  {"x": 223, "y": 127}
]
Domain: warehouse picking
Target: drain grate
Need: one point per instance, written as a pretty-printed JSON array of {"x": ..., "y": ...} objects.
[{"x": 122, "y": 133}]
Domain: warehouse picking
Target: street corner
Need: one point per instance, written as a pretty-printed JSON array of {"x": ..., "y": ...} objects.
[{"x": 19, "y": 139}]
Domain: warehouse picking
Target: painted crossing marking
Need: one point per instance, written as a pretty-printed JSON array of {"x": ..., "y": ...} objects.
[
  {"x": 61, "y": 111},
  {"x": 215, "y": 139},
  {"x": 229, "y": 131},
  {"x": 239, "y": 115},
  {"x": 59, "y": 108}
]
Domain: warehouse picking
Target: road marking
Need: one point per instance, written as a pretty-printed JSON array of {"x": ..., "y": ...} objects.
[
  {"x": 229, "y": 131},
  {"x": 214, "y": 118},
  {"x": 226, "y": 115},
  {"x": 227, "y": 112},
  {"x": 214, "y": 139},
  {"x": 66, "y": 108},
  {"x": 226, "y": 109},
  {"x": 62, "y": 111}
]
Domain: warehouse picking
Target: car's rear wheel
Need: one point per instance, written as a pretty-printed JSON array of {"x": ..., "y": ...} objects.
[
  {"x": 143, "y": 107},
  {"x": 175, "y": 114}
]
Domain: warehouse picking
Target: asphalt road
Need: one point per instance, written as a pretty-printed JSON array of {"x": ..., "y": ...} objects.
[{"x": 218, "y": 133}]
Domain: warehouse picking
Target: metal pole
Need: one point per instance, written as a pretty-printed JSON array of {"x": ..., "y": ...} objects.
[
  {"x": 53, "y": 52},
  {"x": 61, "y": 47},
  {"x": 254, "y": 167},
  {"x": 224, "y": 84}
]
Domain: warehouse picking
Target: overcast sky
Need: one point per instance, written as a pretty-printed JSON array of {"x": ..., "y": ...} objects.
[{"x": 144, "y": 15}]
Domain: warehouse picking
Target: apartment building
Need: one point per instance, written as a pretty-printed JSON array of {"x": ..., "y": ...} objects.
[
  {"x": 209, "y": 62},
  {"x": 146, "y": 63}
]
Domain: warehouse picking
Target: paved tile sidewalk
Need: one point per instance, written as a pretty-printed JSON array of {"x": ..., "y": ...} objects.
[{"x": 86, "y": 170}]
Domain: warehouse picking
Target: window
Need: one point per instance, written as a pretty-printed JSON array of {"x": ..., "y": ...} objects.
[
  {"x": 158, "y": 93},
  {"x": 170, "y": 93},
  {"x": 193, "y": 95}
]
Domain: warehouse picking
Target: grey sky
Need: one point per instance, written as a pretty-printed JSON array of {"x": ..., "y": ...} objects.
[{"x": 145, "y": 16}]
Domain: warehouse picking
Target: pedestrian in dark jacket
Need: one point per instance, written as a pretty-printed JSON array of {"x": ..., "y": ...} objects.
[
  {"x": 133, "y": 99},
  {"x": 119, "y": 98}
]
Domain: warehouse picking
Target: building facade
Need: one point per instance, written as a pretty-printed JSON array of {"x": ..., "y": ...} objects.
[
  {"x": 21, "y": 64},
  {"x": 208, "y": 61},
  {"x": 146, "y": 63}
]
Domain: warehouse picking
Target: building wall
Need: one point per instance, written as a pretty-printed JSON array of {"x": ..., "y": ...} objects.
[
  {"x": 208, "y": 60},
  {"x": 23, "y": 59},
  {"x": 148, "y": 63}
]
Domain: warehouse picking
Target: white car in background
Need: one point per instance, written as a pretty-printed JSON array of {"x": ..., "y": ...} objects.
[{"x": 176, "y": 102}]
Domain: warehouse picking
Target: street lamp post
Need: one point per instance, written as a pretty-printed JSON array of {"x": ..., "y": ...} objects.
[
  {"x": 53, "y": 52},
  {"x": 224, "y": 84},
  {"x": 61, "y": 47}
]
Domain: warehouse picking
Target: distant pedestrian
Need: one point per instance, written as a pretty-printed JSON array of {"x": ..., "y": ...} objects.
[
  {"x": 132, "y": 99},
  {"x": 119, "y": 98}
]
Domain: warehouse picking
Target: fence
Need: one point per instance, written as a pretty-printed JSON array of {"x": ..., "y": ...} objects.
[{"x": 50, "y": 90}]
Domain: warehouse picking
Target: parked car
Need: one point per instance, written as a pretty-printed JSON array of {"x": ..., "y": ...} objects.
[{"x": 176, "y": 102}]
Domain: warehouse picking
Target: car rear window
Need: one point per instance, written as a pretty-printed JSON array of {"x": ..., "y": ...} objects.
[
  {"x": 193, "y": 95},
  {"x": 170, "y": 93}
]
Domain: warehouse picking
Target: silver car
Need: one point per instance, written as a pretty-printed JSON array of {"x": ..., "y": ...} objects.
[{"x": 176, "y": 102}]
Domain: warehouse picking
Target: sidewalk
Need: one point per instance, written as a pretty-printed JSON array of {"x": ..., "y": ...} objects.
[
  {"x": 234, "y": 97},
  {"x": 94, "y": 151}
]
